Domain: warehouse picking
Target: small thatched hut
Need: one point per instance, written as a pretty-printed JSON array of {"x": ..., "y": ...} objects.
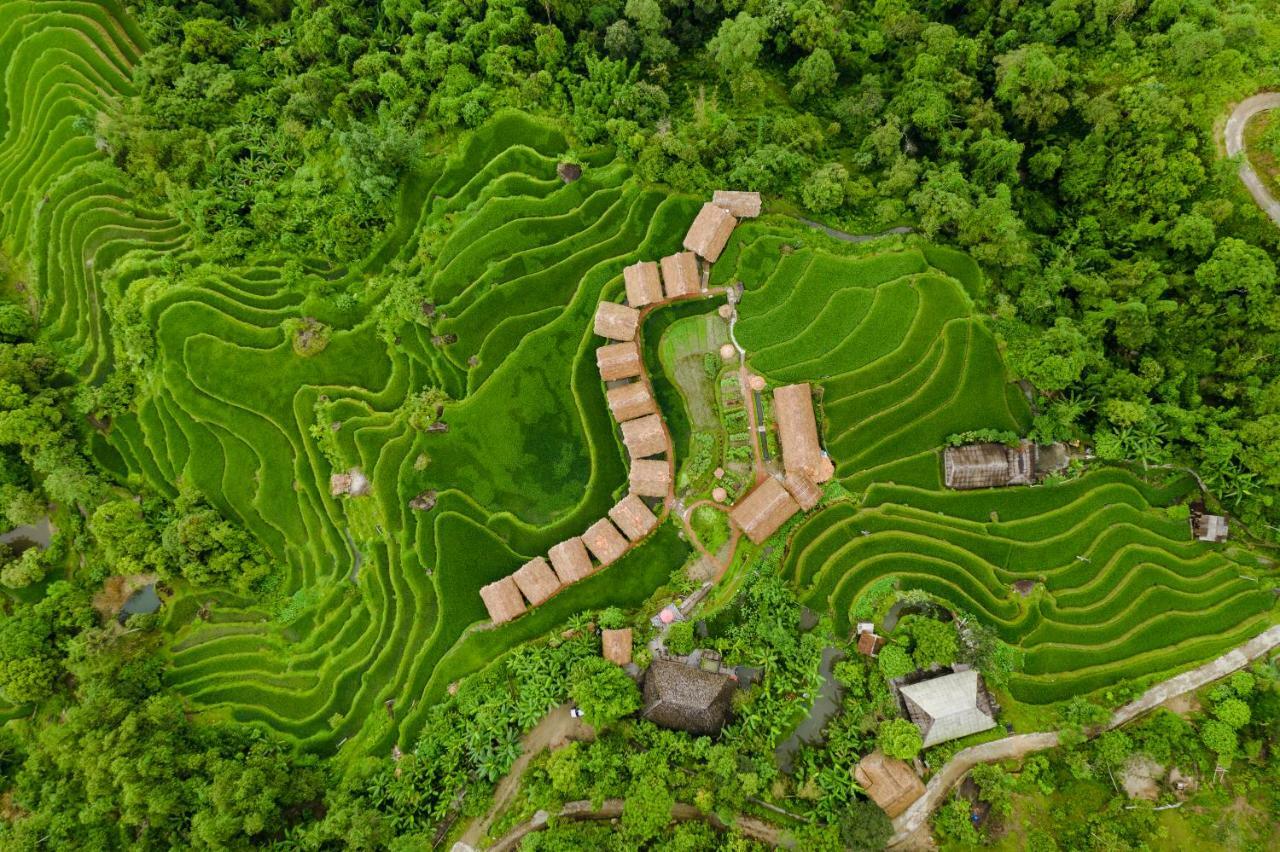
[
  {"x": 650, "y": 477},
  {"x": 1209, "y": 527},
  {"x": 616, "y": 322},
  {"x": 502, "y": 599},
  {"x": 616, "y": 645},
  {"x": 798, "y": 431},
  {"x": 644, "y": 436},
  {"x": 989, "y": 465},
  {"x": 764, "y": 510},
  {"x": 604, "y": 541},
  {"x": 644, "y": 286},
  {"x": 633, "y": 517},
  {"x": 536, "y": 581},
  {"x": 744, "y": 205},
  {"x": 949, "y": 707},
  {"x": 680, "y": 274},
  {"x": 890, "y": 783},
  {"x": 629, "y": 401},
  {"x": 709, "y": 232},
  {"x": 619, "y": 361},
  {"x": 570, "y": 560},
  {"x": 686, "y": 698}
]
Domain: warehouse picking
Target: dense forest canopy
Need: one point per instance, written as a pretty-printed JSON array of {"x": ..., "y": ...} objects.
[{"x": 1071, "y": 147}]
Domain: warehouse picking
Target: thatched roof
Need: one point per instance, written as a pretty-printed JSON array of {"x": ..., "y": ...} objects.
[
  {"x": 868, "y": 643},
  {"x": 536, "y": 580},
  {"x": 605, "y": 542},
  {"x": 650, "y": 477},
  {"x": 1209, "y": 527},
  {"x": 680, "y": 274},
  {"x": 502, "y": 599},
  {"x": 948, "y": 707},
  {"x": 339, "y": 484},
  {"x": 798, "y": 430},
  {"x": 644, "y": 287},
  {"x": 353, "y": 482},
  {"x": 764, "y": 510},
  {"x": 644, "y": 436},
  {"x": 570, "y": 560},
  {"x": 806, "y": 492},
  {"x": 686, "y": 698},
  {"x": 619, "y": 361},
  {"x": 616, "y": 322},
  {"x": 569, "y": 172},
  {"x": 744, "y": 205},
  {"x": 616, "y": 645},
  {"x": 709, "y": 232},
  {"x": 890, "y": 783},
  {"x": 989, "y": 465},
  {"x": 633, "y": 517},
  {"x": 627, "y": 402}
]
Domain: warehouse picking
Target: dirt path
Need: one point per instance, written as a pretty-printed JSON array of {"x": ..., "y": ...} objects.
[
  {"x": 846, "y": 237},
  {"x": 939, "y": 787},
  {"x": 555, "y": 730},
  {"x": 611, "y": 809},
  {"x": 1233, "y": 135}
]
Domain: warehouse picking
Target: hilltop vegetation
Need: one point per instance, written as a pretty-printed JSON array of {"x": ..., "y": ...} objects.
[{"x": 245, "y": 246}]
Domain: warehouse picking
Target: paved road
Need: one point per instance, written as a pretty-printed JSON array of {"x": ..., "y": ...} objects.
[
  {"x": 939, "y": 786},
  {"x": 1233, "y": 135}
]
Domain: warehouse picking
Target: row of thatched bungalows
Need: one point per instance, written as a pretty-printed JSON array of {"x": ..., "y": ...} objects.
[{"x": 631, "y": 402}]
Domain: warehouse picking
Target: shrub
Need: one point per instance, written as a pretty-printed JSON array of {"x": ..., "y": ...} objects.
[
  {"x": 895, "y": 662},
  {"x": 680, "y": 637},
  {"x": 604, "y": 692},
  {"x": 899, "y": 738}
]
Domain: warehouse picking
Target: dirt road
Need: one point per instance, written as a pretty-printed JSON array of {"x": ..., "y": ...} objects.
[
  {"x": 1233, "y": 135},
  {"x": 556, "y": 728}
]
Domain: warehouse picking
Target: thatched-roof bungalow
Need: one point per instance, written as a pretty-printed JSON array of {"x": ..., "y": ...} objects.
[
  {"x": 633, "y": 517},
  {"x": 627, "y": 402},
  {"x": 798, "y": 431},
  {"x": 502, "y": 599},
  {"x": 616, "y": 322},
  {"x": 650, "y": 477},
  {"x": 890, "y": 783},
  {"x": 604, "y": 541},
  {"x": 644, "y": 436},
  {"x": 709, "y": 232},
  {"x": 619, "y": 361},
  {"x": 764, "y": 510},
  {"x": 570, "y": 560},
  {"x": 680, "y": 274},
  {"x": 644, "y": 286},
  {"x": 536, "y": 581},
  {"x": 949, "y": 707},
  {"x": 686, "y": 698},
  {"x": 806, "y": 492},
  {"x": 989, "y": 465},
  {"x": 616, "y": 645},
  {"x": 744, "y": 205},
  {"x": 1209, "y": 527}
]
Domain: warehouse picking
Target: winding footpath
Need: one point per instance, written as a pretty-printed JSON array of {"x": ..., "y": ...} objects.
[
  {"x": 914, "y": 818},
  {"x": 1233, "y": 136}
]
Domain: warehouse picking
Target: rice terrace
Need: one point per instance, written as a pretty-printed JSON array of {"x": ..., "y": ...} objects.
[{"x": 490, "y": 460}]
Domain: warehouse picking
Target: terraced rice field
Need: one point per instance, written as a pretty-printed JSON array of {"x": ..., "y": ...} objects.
[
  {"x": 903, "y": 363},
  {"x": 531, "y": 454},
  {"x": 382, "y": 599}
]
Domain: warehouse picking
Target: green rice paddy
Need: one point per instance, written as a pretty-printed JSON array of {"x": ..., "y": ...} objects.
[{"x": 514, "y": 262}]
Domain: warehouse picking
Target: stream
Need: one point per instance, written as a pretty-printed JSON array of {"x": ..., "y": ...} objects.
[{"x": 825, "y": 706}]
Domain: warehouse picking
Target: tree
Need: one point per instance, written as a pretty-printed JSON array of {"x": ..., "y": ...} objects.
[
  {"x": 1220, "y": 738},
  {"x": 824, "y": 190},
  {"x": 953, "y": 823},
  {"x": 814, "y": 75},
  {"x": 735, "y": 48},
  {"x": 933, "y": 641},
  {"x": 899, "y": 738},
  {"x": 647, "y": 809},
  {"x": 1233, "y": 711},
  {"x": 864, "y": 827},
  {"x": 894, "y": 662},
  {"x": 680, "y": 637},
  {"x": 1031, "y": 80},
  {"x": 604, "y": 692}
]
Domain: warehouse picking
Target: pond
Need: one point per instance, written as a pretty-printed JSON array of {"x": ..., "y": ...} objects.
[
  {"x": 38, "y": 535},
  {"x": 825, "y": 706},
  {"x": 142, "y": 602}
]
